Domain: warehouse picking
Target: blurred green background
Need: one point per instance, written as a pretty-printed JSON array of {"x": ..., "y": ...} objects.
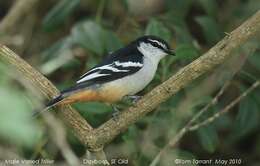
[{"x": 65, "y": 38}]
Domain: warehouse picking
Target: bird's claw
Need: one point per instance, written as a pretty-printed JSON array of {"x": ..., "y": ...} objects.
[
  {"x": 115, "y": 113},
  {"x": 134, "y": 98}
]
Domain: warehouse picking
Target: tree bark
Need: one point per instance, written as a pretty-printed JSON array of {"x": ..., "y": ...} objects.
[
  {"x": 215, "y": 56},
  {"x": 95, "y": 139}
]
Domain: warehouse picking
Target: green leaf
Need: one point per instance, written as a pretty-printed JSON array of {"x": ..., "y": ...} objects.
[
  {"x": 56, "y": 56},
  {"x": 199, "y": 103},
  {"x": 174, "y": 101},
  {"x": 182, "y": 34},
  {"x": 247, "y": 9},
  {"x": 129, "y": 139},
  {"x": 95, "y": 113},
  {"x": 156, "y": 28},
  {"x": 95, "y": 38},
  {"x": 247, "y": 118},
  {"x": 89, "y": 35},
  {"x": 16, "y": 124},
  {"x": 255, "y": 60},
  {"x": 53, "y": 50},
  {"x": 71, "y": 64},
  {"x": 186, "y": 51},
  {"x": 93, "y": 108},
  {"x": 255, "y": 96},
  {"x": 210, "y": 6},
  {"x": 224, "y": 122},
  {"x": 111, "y": 41},
  {"x": 210, "y": 28},
  {"x": 178, "y": 22},
  {"x": 179, "y": 8},
  {"x": 208, "y": 138},
  {"x": 131, "y": 134},
  {"x": 247, "y": 76},
  {"x": 59, "y": 13}
]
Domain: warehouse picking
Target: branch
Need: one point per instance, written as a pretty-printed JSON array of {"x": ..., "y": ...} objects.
[
  {"x": 226, "y": 109},
  {"x": 80, "y": 126},
  {"x": 36, "y": 79},
  {"x": 189, "y": 127},
  {"x": 215, "y": 56},
  {"x": 185, "y": 129},
  {"x": 96, "y": 138},
  {"x": 232, "y": 66}
]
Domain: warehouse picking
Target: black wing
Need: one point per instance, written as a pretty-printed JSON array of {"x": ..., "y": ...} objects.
[
  {"x": 123, "y": 62},
  {"x": 119, "y": 64}
]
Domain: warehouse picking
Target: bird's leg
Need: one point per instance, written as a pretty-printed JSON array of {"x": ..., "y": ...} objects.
[
  {"x": 116, "y": 112},
  {"x": 133, "y": 98}
]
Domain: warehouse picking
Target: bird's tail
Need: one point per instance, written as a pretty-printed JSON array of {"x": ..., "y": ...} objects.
[
  {"x": 49, "y": 105},
  {"x": 80, "y": 92}
]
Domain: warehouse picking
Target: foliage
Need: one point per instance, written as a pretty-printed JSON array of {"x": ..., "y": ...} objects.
[
  {"x": 16, "y": 124},
  {"x": 73, "y": 36}
]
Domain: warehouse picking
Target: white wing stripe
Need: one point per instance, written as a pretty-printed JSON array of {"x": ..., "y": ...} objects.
[
  {"x": 108, "y": 67},
  {"x": 128, "y": 64},
  {"x": 91, "y": 76}
]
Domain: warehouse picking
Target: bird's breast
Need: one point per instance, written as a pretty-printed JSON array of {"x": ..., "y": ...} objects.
[
  {"x": 115, "y": 90},
  {"x": 134, "y": 83}
]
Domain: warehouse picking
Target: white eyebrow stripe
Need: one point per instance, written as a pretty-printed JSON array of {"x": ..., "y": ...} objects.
[
  {"x": 128, "y": 64},
  {"x": 159, "y": 43},
  {"x": 91, "y": 76},
  {"x": 109, "y": 67}
]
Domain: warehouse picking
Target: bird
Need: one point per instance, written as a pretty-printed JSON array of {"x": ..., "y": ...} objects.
[{"x": 122, "y": 73}]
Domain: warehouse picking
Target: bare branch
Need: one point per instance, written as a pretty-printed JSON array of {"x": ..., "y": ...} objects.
[
  {"x": 234, "y": 66},
  {"x": 226, "y": 109},
  {"x": 188, "y": 127},
  {"x": 215, "y": 56},
  {"x": 185, "y": 129},
  {"x": 80, "y": 126},
  {"x": 97, "y": 138}
]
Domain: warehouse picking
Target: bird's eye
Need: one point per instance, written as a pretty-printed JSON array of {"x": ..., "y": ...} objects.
[{"x": 157, "y": 45}]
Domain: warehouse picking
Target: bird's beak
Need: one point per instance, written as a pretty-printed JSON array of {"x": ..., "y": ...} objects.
[{"x": 170, "y": 52}]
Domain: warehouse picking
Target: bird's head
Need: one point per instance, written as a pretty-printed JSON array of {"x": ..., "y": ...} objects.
[{"x": 153, "y": 47}]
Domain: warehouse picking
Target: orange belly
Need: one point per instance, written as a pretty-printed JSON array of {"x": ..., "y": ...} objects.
[{"x": 106, "y": 93}]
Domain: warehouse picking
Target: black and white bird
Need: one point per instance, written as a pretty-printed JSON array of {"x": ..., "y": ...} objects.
[{"x": 122, "y": 73}]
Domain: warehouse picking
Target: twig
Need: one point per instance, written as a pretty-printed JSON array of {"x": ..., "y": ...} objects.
[
  {"x": 97, "y": 138},
  {"x": 226, "y": 109},
  {"x": 211, "y": 103},
  {"x": 185, "y": 129},
  {"x": 36, "y": 79},
  {"x": 234, "y": 65},
  {"x": 188, "y": 127},
  {"x": 215, "y": 56}
]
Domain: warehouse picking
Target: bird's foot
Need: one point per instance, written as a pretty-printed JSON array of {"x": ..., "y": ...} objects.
[
  {"x": 133, "y": 98},
  {"x": 115, "y": 113}
]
